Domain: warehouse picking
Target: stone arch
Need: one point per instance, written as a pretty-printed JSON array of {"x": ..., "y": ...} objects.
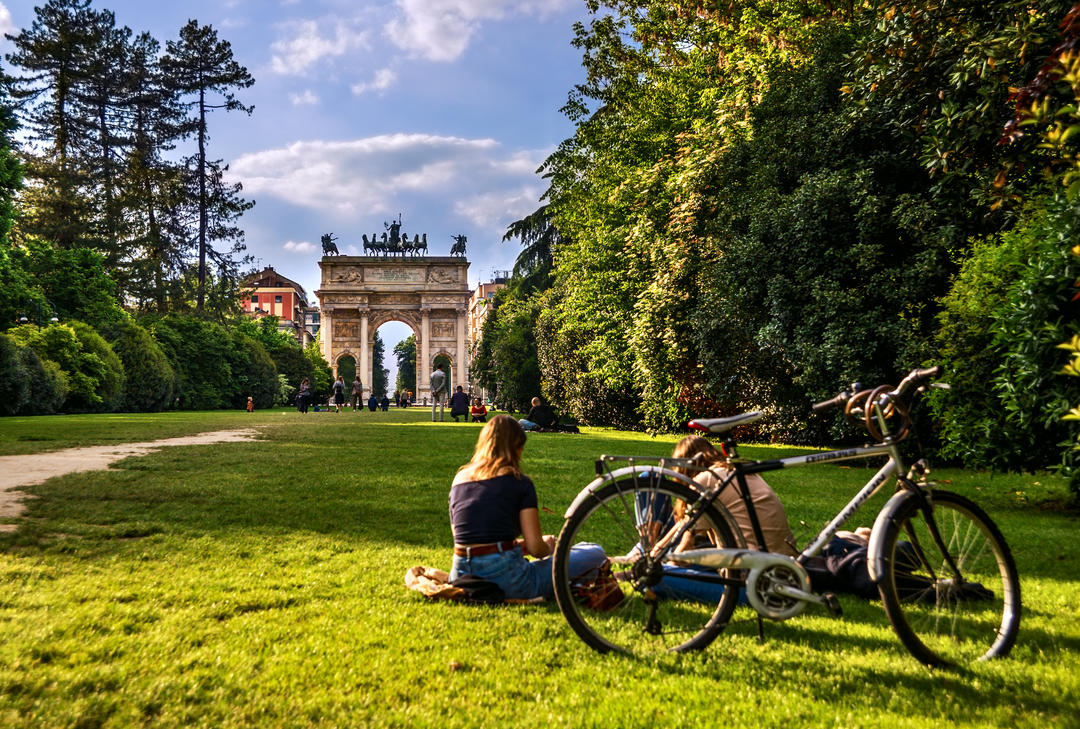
[{"x": 361, "y": 293}]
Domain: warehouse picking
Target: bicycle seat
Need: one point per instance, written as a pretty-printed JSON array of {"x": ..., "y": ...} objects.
[{"x": 723, "y": 425}]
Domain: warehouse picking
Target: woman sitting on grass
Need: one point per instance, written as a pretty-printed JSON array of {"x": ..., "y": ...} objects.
[{"x": 491, "y": 503}]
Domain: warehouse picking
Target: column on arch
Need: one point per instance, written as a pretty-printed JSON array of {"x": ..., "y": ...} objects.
[
  {"x": 462, "y": 374},
  {"x": 326, "y": 327},
  {"x": 423, "y": 362},
  {"x": 364, "y": 365}
]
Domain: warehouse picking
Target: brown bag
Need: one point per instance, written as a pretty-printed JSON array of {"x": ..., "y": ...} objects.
[{"x": 602, "y": 592}]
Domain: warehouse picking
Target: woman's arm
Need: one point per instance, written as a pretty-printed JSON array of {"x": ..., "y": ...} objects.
[{"x": 534, "y": 541}]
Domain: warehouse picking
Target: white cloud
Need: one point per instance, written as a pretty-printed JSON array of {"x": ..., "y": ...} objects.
[
  {"x": 364, "y": 178},
  {"x": 307, "y": 44},
  {"x": 440, "y": 30},
  {"x": 307, "y": 98},
  {"x": 498, "y": 208},
  {"x": 301, "y": 247},
  {"x": 383, "y": 79},
  {"x": 6, "y": 23}
]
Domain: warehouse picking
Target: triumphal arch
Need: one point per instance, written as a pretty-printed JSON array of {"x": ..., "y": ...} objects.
[{"x": 358, "y": 294}]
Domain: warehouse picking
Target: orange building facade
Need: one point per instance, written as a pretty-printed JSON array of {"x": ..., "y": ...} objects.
[{"x": 271, "y": 294}]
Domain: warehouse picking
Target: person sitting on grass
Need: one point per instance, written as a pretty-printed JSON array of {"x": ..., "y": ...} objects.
[
  {"x": 541, "y": 417},
  {"x": 459, "y": 405},
  {"x": 478, "y": 411},
  {"x": 492, "y": 503}
]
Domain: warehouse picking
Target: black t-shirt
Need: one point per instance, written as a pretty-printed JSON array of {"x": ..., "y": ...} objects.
[
  {"x": 542, "y": 415},
  {"x": 488, "y": 511}
]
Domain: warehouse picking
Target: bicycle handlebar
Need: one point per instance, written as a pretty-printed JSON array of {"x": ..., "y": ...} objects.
[
  {"x": 914, "y": 377},
  {"x": 832, "y": 402}
]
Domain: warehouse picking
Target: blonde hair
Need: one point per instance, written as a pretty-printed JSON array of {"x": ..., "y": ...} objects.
[{"x": 498, "y": 449}]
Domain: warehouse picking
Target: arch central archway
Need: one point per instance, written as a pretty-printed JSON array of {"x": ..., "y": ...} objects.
[{"x": 358, "y": 294}]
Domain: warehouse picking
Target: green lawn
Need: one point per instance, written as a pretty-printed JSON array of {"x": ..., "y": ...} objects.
[{"x": 260, "y": 583}]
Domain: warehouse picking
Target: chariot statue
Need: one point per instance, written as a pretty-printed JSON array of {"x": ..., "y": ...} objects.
[{"x": 328, "y": 245}]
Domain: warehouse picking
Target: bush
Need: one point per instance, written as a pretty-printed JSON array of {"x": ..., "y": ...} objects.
[
  {"x": 14, "y": 379},
  {"x": 93, "y": 372},
  {"x": 199, "y": 352},
  {"x": 48, "y": 384},
  {"x": 150, "y": 377},
  {"x": 1009, "y": 308},
  {"x": 255, "y": 377}
]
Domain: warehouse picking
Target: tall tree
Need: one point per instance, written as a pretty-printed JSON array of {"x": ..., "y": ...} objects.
[
  {"x": 205, "y": 74},
  {"x": 155, "y": 228},
  {"x": 405, "y": 352},
  {"x": 54, "y": 59},
  {"x": 380, "y": 376}
]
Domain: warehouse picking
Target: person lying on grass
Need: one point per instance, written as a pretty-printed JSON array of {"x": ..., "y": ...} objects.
[
  {"x": 840, "y": 568},
  {"x": 492, "y": 504}
]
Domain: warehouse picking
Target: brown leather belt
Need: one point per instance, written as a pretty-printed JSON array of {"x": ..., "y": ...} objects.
[{"x": 484, "y": 549}]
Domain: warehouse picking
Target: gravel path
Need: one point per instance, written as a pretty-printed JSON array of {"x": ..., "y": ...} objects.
[{"x": 27, "y": 470}]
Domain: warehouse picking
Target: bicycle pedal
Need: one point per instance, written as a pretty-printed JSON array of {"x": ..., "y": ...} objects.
[{"x": 833, "y": 605}]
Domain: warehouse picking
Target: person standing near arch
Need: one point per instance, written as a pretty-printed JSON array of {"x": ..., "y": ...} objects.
[
  {"x": 357, "y": 394},
  {"x": 438, "y": 391}
]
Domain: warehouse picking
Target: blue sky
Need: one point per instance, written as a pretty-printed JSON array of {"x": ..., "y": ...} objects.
[{"x": 440, "y": 110}]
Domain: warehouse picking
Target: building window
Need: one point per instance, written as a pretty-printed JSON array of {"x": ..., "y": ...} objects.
[
  {"x": 277, "y": 299},
  {"x": 255, "y": 299}
]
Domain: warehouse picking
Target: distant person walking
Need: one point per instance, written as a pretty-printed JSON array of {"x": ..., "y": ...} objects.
[
  {"x": 303, "y": 396},
  {"x": 438, "y": 391},
  {"x": 357, "y": 394},
  {"x": 339, "y": 392}
]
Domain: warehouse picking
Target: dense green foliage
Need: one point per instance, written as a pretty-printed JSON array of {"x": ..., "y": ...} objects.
[
  {"x": 215, "y": 368},
  {"x": 764, "y": 201},
  {"x": 150, "y": 379},
  {"x": 380, "y": 376},
  {"x": 405, "y": 353},
  {"x": 14, "y": 378},
  {"x": 94, "y": 376}
]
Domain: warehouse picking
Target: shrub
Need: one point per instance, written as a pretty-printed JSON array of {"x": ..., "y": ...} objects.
[
  {"x": 199, "y": 352},
  {"x": 48, "y": 384},
  {"x": 150, "y": 377},
  {"x": 255, "y": 375},
  {"x": 14, "y": 379},
  {"x": 1010, "y": 307},
  {"x": 93, "y": 372}
]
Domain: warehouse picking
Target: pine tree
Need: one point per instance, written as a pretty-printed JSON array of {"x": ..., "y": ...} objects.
[
  {"x": 202, "y": 69},
  {"x": 54, "y": 57},
  {"x": 155, "y": 229}
]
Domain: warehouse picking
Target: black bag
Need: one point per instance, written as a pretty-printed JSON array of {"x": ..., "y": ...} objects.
[{"x": 478, "y": 590}]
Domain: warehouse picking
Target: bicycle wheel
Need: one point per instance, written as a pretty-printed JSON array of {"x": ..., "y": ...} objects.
[
  {"x": 661, "y": 608},
  {"x": 946, "y": 619}
]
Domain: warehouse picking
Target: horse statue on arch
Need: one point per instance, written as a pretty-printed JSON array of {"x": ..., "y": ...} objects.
[
  {"x": 328, "y": 245},
  {"x": 458, "y": 249}
]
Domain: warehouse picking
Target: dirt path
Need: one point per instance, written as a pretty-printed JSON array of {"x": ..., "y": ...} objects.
[{"x": 18, "y": 471}]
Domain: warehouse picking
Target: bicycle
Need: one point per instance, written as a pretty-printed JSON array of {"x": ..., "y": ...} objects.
[{"x": 945, "y": 574}]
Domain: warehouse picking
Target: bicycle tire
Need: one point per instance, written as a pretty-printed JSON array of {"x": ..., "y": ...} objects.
[
  {"x": 667, "y": 616},
  {"x": 942, "y": 622}
]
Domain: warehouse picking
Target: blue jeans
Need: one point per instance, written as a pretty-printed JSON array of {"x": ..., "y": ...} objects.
[
  {"x": 522, "y": 579},
  {"x": 679, "y": 583},
  {"x": 528, "y": 424}
]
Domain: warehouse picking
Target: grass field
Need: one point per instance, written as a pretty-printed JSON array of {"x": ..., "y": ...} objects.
[{"x": 260, "y": 584}]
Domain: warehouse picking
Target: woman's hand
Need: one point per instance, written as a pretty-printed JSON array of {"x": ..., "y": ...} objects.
[{"x": 536, "y": 543}]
